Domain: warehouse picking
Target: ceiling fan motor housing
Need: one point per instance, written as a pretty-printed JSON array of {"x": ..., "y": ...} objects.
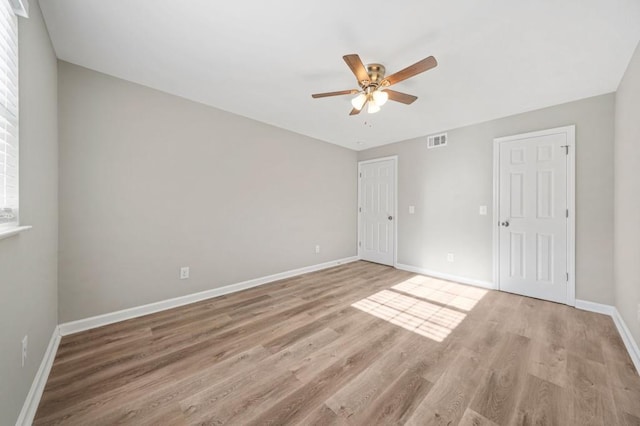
[{"x": 376, "y": 73}]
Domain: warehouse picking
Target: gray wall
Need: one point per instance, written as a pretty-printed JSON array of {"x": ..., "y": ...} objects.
[
  {"x": 627, "y": 196},
  {"x": 447, "y": 186},
  {"x": 28, "y": 261},
  {"x": 150, "y": 182}
]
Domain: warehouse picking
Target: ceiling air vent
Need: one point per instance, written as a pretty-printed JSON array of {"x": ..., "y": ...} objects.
[{"x": 436, "y": 141}]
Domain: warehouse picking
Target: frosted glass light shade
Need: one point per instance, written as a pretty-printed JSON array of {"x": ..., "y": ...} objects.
[
  {"x": 380, "y": 97},
  {"x": 358, "y": 101},
  {"x": 373, "y": 108}
]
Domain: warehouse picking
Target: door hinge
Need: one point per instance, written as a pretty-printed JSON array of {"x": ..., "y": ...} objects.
[
  {"x": 566, "y": 149},
  {"x": 360, "y": 209},
  {"x": 567, "y": 212},
  {"x": 567, "y": 277},
  {"x": 360, "y": 174},
  {"x": 359, "y": 244}
]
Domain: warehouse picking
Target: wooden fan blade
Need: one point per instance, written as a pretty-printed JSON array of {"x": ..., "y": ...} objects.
[
  {"x": 357, "y": 67},
  {"x": 342, "y": 92},
  {"x": 356, "y": 111},
  {"x": 400, "y": 97},
  {"x": 415, "y": 69}
]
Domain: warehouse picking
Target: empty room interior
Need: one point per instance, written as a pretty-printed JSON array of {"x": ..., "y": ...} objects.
[{"x": 319, "y": 213}]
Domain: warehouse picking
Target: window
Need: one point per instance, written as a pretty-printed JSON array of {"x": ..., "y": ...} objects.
[{"x": 8, "y": 115}]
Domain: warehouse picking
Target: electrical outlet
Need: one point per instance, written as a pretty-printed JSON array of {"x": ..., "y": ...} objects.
[
  {"x": 483, "y": 210},
  {"x": 25, "y": 343},
  {"x": 412, "y": 209},
  {"x": 449, "y": 257},
  {"x": 317, "y": 249},
  {"x": 184, "y": 272}
]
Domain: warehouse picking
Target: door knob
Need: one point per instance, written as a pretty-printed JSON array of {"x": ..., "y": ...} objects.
[
  {"x": 505, "y": 223},
  {"x": 390, "y": 218}
]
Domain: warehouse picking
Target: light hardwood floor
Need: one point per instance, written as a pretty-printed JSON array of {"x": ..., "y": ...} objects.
[{"x": 360, "y": 344}]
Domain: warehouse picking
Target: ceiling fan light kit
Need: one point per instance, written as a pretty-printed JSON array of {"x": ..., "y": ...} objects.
[
  {"x": 373, "y": 84},
  {"x": 359, "y": 101},
  {"x": 380, "y": 97},
  {"x": 372, "y": 108}
]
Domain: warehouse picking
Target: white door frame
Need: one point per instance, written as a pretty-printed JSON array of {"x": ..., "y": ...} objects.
[
  {"x": 395, "y": 203},
  {"x": 570, "y": 132}
]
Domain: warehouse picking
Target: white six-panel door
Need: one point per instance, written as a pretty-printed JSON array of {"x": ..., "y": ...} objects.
[
  {"x": 376, "y": 211},
  {"x": 533, "y": 215}
]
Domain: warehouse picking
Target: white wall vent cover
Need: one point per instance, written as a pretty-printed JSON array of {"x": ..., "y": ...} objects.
[{"x": 436, "y": 141}]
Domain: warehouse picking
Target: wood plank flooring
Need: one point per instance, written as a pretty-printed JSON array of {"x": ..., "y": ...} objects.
[{"x": 358, "y": 344}]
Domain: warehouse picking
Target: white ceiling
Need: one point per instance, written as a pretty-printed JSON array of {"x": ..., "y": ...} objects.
[{"x": 263, "y": 59}]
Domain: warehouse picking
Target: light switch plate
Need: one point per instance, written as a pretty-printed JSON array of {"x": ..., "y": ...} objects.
[
  {"x": 483, "y": 210},
  {"x": 184, "y": 272},
  {"x": 412, "y": 209}
]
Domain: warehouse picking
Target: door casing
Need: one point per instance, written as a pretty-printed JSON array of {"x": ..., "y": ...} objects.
[
  {"x": 395, "y": 204},
  {"x": 570, "y": 132}
]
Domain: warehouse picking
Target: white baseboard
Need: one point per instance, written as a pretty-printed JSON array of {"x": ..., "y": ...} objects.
[
  {"x": 599, "y": 308},
  {"x": 138, "y": 311},
  {"x": 30, "y": 405},
  {"x": 448, "y": 277},
  {"x": 625, "y": 334},
  {"x": 627, "y": 338}
]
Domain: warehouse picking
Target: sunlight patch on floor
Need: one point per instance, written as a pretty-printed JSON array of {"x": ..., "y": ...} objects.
[
  {"x": 443, "y": 292},
  {"x": 427, "y": 306}
]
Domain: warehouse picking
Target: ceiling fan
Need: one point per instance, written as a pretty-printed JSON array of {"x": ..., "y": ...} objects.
[{"x": 374, "y": 85}]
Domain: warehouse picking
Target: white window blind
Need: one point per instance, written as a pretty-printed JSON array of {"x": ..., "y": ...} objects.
[{"x": 8, "y": 115}]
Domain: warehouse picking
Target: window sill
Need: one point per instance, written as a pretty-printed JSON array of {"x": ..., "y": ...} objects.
[{"x": 9, "y": 232}]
